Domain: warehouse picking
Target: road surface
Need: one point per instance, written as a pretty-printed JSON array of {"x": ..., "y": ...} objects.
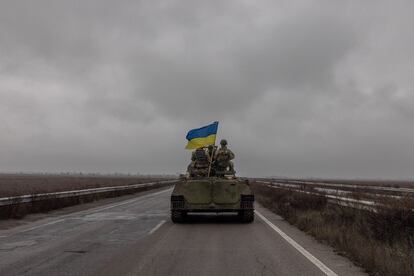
[{"x": 134, "y": 236}]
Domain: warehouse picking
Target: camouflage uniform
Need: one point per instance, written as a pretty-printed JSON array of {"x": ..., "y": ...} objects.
[
  {"x": 223, "y": 156},
  {"x": 206, "y": 150},
  {"x": 200, "y": 160},
  {"x": 211, "y": 151}
]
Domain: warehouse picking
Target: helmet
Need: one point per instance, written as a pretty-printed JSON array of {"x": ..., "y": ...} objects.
[{"x": 223, "y": 142}]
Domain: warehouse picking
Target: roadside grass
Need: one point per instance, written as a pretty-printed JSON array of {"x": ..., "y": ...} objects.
[
  {"x": 19, "y": 184},
  {"x": 363, "y": 182},
  {"x": 356, "y": 189},
  {"x": 23, "y": 185},
  {"x": 382, "y": 242}
]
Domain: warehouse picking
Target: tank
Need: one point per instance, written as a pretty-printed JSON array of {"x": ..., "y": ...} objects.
[{"x": 212, "y": 195}]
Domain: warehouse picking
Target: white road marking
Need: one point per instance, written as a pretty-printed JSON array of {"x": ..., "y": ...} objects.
[
  {"x": 156, "y": 227},
  {"x": 42, "y": 225},
  {"x": 102, "y": 216},
  {"x": 130, "y": 201},
  {"x": 14, "y": 245},
  {"x": 302, "y": 250},
  {"x": 91, "y": 211}
]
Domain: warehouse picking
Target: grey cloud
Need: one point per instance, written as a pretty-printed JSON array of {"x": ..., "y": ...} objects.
[
  {"x": 304, "y": 89},
  {"x": 297, "y": 56}
]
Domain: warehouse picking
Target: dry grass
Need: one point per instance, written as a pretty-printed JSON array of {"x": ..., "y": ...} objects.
[
  {"x": 381, "y": 242},
  {"x": 16, "y": 184},
  {"x": 18, "y": 211},
  {"x": 364, "y": 182},
  {"x": 358, "y": 189},
  {"x": 372, "y": 182}
]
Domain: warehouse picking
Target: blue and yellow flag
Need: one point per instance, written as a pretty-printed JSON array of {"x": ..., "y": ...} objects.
[{"x": 203, "y": 136}]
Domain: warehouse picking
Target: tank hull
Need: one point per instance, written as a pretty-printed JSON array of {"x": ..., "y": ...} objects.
[{"x": 213, "y": 195}]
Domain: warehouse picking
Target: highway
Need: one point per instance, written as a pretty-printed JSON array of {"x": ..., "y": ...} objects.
[{"x": 133, "y": 235}]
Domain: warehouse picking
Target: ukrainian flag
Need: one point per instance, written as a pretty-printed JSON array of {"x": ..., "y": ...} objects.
[{"x": 201, "y": 137}]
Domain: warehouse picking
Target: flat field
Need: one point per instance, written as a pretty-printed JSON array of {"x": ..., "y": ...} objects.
[
  {"x": 361, "y": 182},
  {"x": 28, "y": 184}
]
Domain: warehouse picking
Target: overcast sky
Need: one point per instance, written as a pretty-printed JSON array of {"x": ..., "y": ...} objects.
[{"x": 310, "y": 89}]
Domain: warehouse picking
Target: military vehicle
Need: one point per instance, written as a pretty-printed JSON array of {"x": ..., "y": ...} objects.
[
  {"x": 212, "y": 195},
  {"x": 211, "y": 186}
]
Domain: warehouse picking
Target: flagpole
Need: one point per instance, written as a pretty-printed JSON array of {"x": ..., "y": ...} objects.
[{"x": 211, "y": 157}]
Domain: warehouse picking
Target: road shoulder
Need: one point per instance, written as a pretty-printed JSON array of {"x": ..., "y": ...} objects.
[{"x": 324, "y": 253}]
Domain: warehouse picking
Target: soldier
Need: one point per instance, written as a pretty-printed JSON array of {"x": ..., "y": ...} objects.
[
  {"x": 223, "y": 156},
  {"x": 190, "y": 168},
  {"x": 199, "y": 163},
  {"x": 211, "y": 150}
]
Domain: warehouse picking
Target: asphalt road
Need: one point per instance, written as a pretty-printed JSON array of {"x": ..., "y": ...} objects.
[{"x": 134, "y": 236}]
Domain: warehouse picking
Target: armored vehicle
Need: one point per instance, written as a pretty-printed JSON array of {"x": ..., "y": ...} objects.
[{"x": 212, "y": 195}]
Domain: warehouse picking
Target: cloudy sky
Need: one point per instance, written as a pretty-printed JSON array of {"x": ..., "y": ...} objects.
[{"x": 305, "y": 88}]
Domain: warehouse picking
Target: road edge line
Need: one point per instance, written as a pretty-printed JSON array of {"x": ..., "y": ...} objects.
[
  {"x": 298, "y": 247},
  {"x": 156, "y": 227}
]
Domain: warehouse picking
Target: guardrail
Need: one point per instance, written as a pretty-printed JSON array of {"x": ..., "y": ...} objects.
[
  {"x": 348, "y": 186},
  {"x": 45, "y": 196},
  {"x": 333, "y": 199}
]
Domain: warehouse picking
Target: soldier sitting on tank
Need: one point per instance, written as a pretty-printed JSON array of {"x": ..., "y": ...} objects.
[
  {"x": 200, "y": 162},
  {"x": 222, "y": 164},
  {"x": 211, "y": 150}
]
